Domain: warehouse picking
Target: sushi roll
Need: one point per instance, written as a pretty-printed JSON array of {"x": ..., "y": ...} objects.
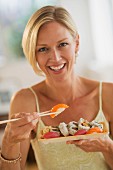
[
  {"x": 50, "y": 129},
  {"x": 72, "y": 127},
  {"x": 46, "y": 129},
  {"x": 83, "y": 124},
  {"x": 96, "y": 124},
  {"x": 63, "y": 129}
]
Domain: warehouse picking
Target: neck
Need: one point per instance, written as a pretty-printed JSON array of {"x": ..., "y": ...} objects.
[{"x": 64, "y": 92}]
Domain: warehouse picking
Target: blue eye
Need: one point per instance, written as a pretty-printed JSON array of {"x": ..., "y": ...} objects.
[
  {"x": 43, "y": 49},
  {"x": 63, "y": 44}
]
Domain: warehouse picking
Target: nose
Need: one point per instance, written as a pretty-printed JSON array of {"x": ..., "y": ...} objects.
[{"x": 55, "y": 55}]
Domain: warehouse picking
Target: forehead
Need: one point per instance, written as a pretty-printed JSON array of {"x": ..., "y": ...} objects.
[{"x": 53, "y": 31}]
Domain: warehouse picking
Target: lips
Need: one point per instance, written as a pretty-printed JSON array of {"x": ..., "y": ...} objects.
[{"x": 57, "y": 68}]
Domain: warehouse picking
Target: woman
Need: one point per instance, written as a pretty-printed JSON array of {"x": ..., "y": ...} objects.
[{"x": 51, "y": 43}]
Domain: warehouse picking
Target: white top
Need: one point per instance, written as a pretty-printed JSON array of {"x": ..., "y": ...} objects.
[{"x": 60, "y": 156}]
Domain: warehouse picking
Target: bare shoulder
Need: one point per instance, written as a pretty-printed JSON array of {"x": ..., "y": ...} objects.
[
  {"x": 107, "y": 98},
  {"x": 108, "y": 85},
  {"x": 90, "y": 84},
  {"x": 22, "y": 94},
  {"x": 107, "y": 89},
  {"x": 22, "y": 101}
]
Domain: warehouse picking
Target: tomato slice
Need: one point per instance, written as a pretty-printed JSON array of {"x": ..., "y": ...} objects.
[{"x": 93, "y": 130}]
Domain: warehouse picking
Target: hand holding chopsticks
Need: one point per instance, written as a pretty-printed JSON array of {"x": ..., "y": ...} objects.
[
  {"x": 55, "y": 111},
  {"x": 40, "y": 114}
]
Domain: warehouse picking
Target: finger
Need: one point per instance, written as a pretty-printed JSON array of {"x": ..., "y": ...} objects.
[
  {"x": 26, "y": 118},
  {"x": 86, "y": 149},
  {"x": 33, "y": 119},
  {"x": 77, "y": 142},
  {"x": 19, "y": 115},
  {"x": 21, "y": 133}
]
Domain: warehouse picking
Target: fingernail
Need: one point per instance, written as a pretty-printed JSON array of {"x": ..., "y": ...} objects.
[
  {"x": 68, "y": 142},
  {"x": 36, "y": 115}
]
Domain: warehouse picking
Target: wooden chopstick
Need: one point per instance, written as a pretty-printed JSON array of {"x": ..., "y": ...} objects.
[
  {"x": 46, "y": 113},
  {"x": 9, "y": 120},
  {"x": 49, "y": 111}
]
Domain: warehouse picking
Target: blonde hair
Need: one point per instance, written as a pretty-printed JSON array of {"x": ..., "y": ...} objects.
[{"x": 39, "y": 18}]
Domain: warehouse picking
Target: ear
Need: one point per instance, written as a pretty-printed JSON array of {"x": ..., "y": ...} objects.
[{"x": 77, "y": 43}]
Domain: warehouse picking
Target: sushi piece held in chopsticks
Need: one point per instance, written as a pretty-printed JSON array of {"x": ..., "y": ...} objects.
[{"x": 58, "y": 109}]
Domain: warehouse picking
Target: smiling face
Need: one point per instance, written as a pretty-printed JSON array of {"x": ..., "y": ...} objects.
[{"x": 55, "y": 51}]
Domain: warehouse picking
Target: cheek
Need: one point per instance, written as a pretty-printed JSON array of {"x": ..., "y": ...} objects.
[
  {"x": 70, "y": 53},
  {"x": 40, "y": 60}
]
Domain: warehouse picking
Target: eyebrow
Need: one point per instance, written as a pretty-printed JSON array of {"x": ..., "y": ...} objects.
[{"x": 57, "y": 42}]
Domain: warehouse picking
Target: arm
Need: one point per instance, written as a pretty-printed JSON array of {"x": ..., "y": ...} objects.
[
  {"x": 108, "y": 107},
  {"x": 108, "y": 154},
  {"x": 105, "y": 146},
  {"x": 16, "y": 138}
]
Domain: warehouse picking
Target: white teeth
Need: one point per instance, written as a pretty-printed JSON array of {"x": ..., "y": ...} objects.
[{"x": 56, "y": 68}]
